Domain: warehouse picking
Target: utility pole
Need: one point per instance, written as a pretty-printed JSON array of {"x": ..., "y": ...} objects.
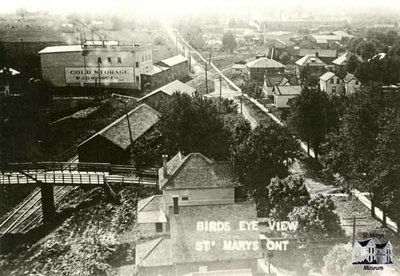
[
  {"x": 220, "y": 88},
  {"x": 354, "y": 230},
  {"x": 130, "y": 133}
]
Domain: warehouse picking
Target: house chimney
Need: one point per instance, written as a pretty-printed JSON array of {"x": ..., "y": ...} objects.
[
  {"x": 165, "y": 160},
  {"x": 316, "y": 54},
  {"x": 176, "y": 207}
]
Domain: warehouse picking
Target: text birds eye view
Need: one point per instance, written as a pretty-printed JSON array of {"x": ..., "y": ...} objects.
[{"x": 199, "y": 138}]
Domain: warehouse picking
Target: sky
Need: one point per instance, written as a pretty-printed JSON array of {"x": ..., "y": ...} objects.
[{"x": 173, "y": 7}]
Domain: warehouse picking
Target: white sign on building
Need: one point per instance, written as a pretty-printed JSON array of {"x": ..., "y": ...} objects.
[{"x": 92, "y": 75}]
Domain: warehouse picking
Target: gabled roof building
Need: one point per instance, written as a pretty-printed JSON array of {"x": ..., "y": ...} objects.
[
  {"x": 163, "y": 94},
  {"x": 112, "y": 143},
  {"x": 204, "y": 230}
]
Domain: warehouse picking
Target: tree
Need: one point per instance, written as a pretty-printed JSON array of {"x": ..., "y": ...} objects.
[
  {"x": 195, "y": 124},
  {"x": 307, "y": 79},
  {"x": 366, "y": 49},
  {"x": 252, "y": 89},
  {"x": 352, "y": 64},
  {"x": 285, "y": 194},
  {"x": 229, "y": 41},
  {"x": 363, "y": 149},
  {"x": 317, "y": 222},
  {"x": 266, "y": 153},
  {"x": 284, "y": 58},
  {"x": 312, "y": 117},
  {"x": 338, "y": 262}
]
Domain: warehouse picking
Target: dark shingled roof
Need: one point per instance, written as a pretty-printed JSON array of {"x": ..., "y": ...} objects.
[
  {"x": 196, "y": 171},
  {"x": 141, "y": 120},
  {"x": 381, "y": 245},
  {"x": 364, "y": 243},
  {"x": 184, "y": 234}
]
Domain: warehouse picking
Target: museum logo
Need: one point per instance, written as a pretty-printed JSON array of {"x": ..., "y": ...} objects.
[{"x": 372, "y": 254}]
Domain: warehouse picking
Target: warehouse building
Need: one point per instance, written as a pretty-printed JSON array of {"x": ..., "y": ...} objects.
[
  {"x": 165, "y": 71},
  {"x": 113, "y": 143},
  {"x": 96, "y": 64}
]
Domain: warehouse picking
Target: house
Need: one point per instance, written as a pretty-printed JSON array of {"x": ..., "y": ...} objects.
[
  {"x": 259, "y": 67},
  {"x": 326, "y": 55},
  {"x": 196, "y": 225},
  {"x": 370, "y": 252},
  {"x": 271, "y": 81},
  {"x": 314, "y": 64},
  {"x": 330, "y": 83},
  {"x": 341, "y": 61},
  {"x": 343, "y": 35},
  {"x": 163, "y": 94},
  {"x": 239, "y": 69},
  {"x": 113, "y": 143},
  {"x": 282, "y": 95},
  {"x": 351, "y": 84}
]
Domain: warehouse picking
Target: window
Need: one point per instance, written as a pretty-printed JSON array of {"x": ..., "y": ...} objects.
[
  {"x": 332, "y": 81},
  {"x": 357, "y": 82},
  {"x": 99, "y": 60},
  {"x": 119, "y": 60},
  {"x": 185, "y": 197},
  {"x": 333, "y": 88},
  {"x": 159, "y": 227},
  {"x": 337, "y": 81},
  {"x": 137, "y": 79},
  {"x": 109, "y": 60},
  {"x": 137, "y": 64}
]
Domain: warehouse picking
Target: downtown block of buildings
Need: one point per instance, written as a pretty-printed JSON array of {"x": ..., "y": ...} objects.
[{"x": 109, "y": 64}]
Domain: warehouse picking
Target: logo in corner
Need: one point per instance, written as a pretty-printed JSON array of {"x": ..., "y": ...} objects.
[{"x": 371, "y": 252}]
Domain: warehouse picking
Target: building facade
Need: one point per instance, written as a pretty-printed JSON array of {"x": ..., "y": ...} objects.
[
  {"x": 257, "y": 69},
  {"x": 96, "y": 64},
  {"x": 206, "y": 231},
  {"x": 331, "y": 84},
  {"x": 165, "y": 71}
]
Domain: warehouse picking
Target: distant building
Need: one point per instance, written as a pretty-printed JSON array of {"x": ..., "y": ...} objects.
[
  {"x": 196, "y": 223},
  {"x": 239, "y": 69},
  {"x": 330, "y": 83},
  {"x": 315, "y": 65},
  {"x": 96, "y": 64},
  {"x": 270, "y": 82},
  {"x": 165, "y": 71},
  {"x": 343, "y": 35},
  {"x": 282, "y": 95},
  {"x": 351, "y": 84},
  {"x": 326, "y": 55},
  {"x": 163, "y": 94},
  {"x": 113, "y": 143},
  {"x": 341, "y": 61},
  {"x": 256, "y": 69},
  {"x": 370, "y": 252}
]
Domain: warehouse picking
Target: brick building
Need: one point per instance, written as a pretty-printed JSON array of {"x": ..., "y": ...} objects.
[
  {"x": 165, "y": 71},
  {"x": 96, "y": 63}
]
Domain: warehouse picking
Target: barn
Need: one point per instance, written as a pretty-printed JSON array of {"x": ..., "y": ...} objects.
[{"x": 113, "y": 143}]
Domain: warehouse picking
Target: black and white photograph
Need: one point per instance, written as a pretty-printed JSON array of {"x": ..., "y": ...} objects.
[{"x": 199, "y": 138}]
